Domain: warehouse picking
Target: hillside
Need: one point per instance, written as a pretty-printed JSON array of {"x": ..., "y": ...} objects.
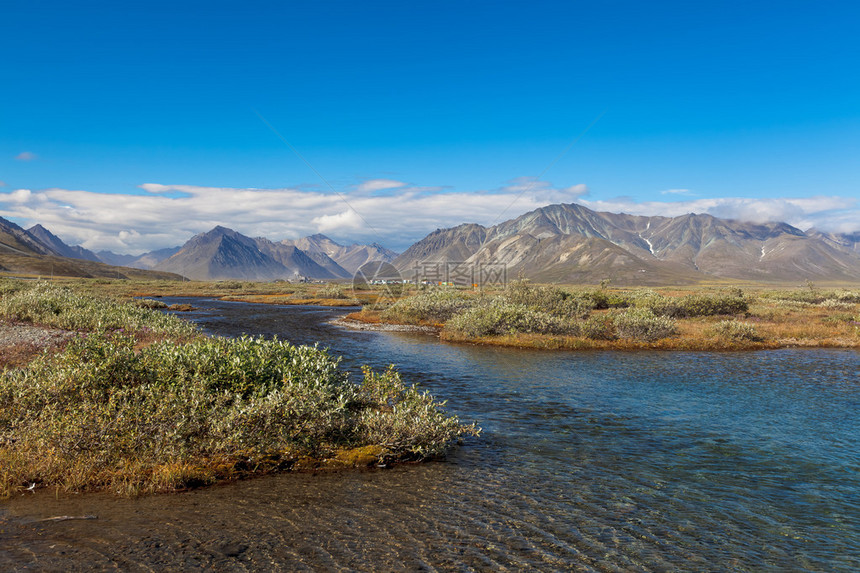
[{"x": 22, "y": 252}]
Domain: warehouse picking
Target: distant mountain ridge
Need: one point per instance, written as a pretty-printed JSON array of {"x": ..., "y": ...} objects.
[
  {"x": 217, "y": 254},
  {"x": 223, "y": 253},
  {"x": 39, "y": 252},
  {"x": 350, "y": 257},
  {"x": 571, "y": 243}
]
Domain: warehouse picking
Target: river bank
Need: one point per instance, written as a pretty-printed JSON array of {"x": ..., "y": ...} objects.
[{"x": 544, "y": 317}]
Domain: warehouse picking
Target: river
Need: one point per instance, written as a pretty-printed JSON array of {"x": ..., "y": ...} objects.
[{"x": 593, "y": 461}]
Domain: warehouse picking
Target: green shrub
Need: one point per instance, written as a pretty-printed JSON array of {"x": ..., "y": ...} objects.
[
  {"x": 836, "y": 304},
  {"x": 547, "y": 299},
  {"x": 105, "y": 413},
  {"x": 839, "y": 317},
  {"x": 693, "y": 305},
  {"x": 61, "y": 307},
  {"x": 596, "y": 328},
  {"x": 401, "y": 418},
  {"x": 435, "y": 304},
  {"x": 602, "y": 299},
  {"x": 499, "y": 317},
  {"x": 814, "y": 296},
  {"x": 332, "y": 290},
  {"x": 9, "y": 286},
  {"x": 150, "y": 303},
  {"x": 847, "y": 296},
  {"x": 642, "y": 324},
  {"x": 736, "y": 331},
  {"x": 711, "y": 305}
]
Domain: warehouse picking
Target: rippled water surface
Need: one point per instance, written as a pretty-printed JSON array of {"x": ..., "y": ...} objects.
[{"x": 603, "y": 461}]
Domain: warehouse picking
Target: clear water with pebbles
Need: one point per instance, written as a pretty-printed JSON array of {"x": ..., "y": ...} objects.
[{"x": 601, "y": 461}]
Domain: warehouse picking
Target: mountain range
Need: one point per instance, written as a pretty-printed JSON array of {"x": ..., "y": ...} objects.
[
  {"x": 224, "y": 254},
  {"x": 217, "y": 254},
  {"x": 566, "y": 243},
  {"x": 569, "y": 243}
]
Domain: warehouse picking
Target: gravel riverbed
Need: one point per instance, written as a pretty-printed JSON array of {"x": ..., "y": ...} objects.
[
  {"x": 16, "y": 334},
  {"x": 20, "y": 343}
]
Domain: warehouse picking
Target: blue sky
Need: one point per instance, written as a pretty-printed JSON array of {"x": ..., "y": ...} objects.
[{"x": 421, "y": 116}]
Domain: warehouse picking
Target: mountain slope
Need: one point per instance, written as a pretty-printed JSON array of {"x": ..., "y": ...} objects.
[
  {"x": 152, "y": 258},
  {"x": 349, "y": 258},
  {"x": 225, "y": 254},
  {"x": 842, "y": 241},
  {"x": 314, "y": 265},
  {"x": 115, "y": 259},
  {"x": 144, "y": 261},
  {"x": 14, "y": 239},
  {"x": 57, "y": 246},
  {"x": 222, "y": 254},
  {"x": 23, "y": 253}
]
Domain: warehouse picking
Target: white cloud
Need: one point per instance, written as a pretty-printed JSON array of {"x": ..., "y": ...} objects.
[
  {"x": 2, "y": 184},
  {"x": 155, "y": 188},
  {"x": 21, "y": 195},
  {"x": 379, "y": 185},
  {"x": 168, "y": 215},
  {"x": 348, "y": 219},
  {"x": 817, "y": 211},
  {"x": 26, "y": 156}
]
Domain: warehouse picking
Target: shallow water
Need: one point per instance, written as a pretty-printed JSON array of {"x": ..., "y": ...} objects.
[{"x": 601, "y": 461}]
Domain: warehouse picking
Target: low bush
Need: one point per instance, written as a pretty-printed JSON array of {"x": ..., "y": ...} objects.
[
  {"x": 435, "y": 305},
  {"x": 642, "y": 324},
  {"x": 836, "y": 304},
  {"x": 401, "y": 418},
  {"x": 499, "y": 317},
  {"x": 814, "y": 296},
  {"x": 736, "y": 331},
  {"x": 693, "y": 305},
  {"x": 603, "y": 299},
  {"x": 150, "y": 303},
  {"x": 596, "y": 328},
  {"x": 100, "y": 414},
  {"x": 332, "y": 290},
  {"x": 50, "y": 305},
  {"x": 552, "y": 300},
  {"x": 839, "y": 317},
  {"x": 847, "y": 296}
]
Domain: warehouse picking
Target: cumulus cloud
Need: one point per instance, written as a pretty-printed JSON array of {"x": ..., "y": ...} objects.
[
  {"x": 26, "y": 156},
  {"x": 168, "y": 215},
  {"x": 348, "y": 219}
]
